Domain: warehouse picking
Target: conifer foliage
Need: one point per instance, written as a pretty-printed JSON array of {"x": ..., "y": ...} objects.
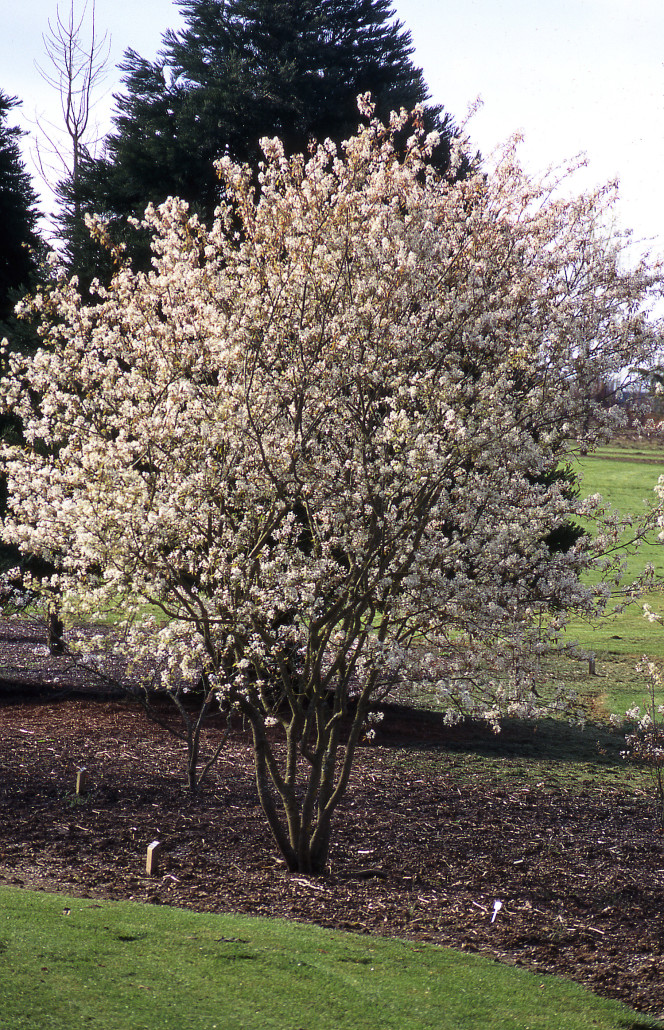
[
  {"x": 19, "y": 241},
  {"x": 20, "y": 250}
]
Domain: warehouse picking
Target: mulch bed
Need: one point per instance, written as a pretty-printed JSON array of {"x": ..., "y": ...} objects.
[{"x": 420, "y": 855}]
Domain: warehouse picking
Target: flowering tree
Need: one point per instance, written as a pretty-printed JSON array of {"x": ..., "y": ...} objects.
[{"x": 320, "y": 440}]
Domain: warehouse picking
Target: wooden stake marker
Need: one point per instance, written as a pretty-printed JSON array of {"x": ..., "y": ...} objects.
[
  {"x": 152, "y": 861},
  {"x": 82, "y": 781}
]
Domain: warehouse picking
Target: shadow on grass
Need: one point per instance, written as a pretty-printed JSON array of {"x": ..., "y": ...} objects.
[{"x": 548, "y": 739}]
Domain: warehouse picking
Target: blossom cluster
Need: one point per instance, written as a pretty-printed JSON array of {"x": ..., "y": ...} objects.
[{"x": 325, "y": 427}]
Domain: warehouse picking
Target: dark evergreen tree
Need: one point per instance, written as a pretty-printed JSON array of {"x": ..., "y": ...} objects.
[
  {"x": 19, "y": 241},
  {"x": 20, "y": 254},
  {"x": 290, "y": 68},
  {"x": 239, "y": 70}
]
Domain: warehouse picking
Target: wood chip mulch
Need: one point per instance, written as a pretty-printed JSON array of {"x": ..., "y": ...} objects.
[{"x": 422, "y": 854}]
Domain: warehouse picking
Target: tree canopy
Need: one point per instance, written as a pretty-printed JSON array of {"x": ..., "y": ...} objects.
[{"x": 321, "y": 437}]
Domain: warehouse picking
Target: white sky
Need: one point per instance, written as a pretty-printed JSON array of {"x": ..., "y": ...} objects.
[{"x": 574, "y": 75}]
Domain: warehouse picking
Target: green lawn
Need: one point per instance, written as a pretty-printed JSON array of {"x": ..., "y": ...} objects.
[
  {"x": 625, "y": 475},
  {"x": 72, "y": 962}
]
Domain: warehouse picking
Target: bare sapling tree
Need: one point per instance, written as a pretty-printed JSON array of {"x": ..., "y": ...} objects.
[
  {"x": 76, "y": 63},
  {"x": 320, "y": 439}
]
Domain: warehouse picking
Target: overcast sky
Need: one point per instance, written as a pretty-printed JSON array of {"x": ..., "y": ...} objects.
[{"x": 574, "y": 75}]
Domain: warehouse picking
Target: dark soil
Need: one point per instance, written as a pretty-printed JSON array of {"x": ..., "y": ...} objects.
[{"x": 422, "y": 855}]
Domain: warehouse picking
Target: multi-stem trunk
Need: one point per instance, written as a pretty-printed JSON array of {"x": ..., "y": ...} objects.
[{"x": 300, "y": 805}]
